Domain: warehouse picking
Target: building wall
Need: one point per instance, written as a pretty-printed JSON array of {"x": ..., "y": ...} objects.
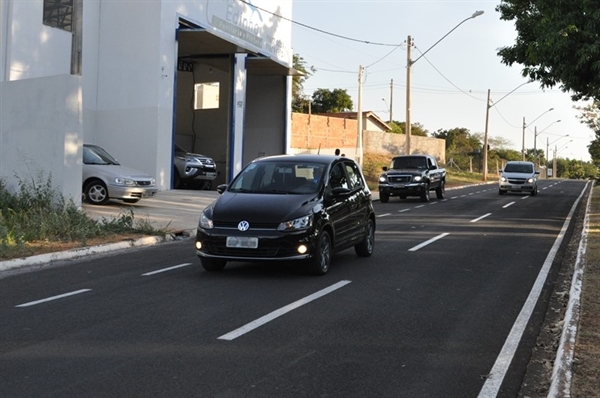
[
  {"x": 311, "y": 133},
  {"x": 41, "y": 132}
]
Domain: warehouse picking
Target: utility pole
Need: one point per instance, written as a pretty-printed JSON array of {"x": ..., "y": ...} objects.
[
  {"x": 409, "y": 63},
  {"x": 523, "y": 147},
  {"x": 391, "y": 100},
  {"x": 359, "y": 117},
  {"x": 485, "y": 138}
]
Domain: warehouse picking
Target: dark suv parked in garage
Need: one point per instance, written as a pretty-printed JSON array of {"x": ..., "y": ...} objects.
[{"x": 192, "y": 170}]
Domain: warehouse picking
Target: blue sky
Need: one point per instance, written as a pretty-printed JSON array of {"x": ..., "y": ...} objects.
[{"x": 449, "y": 84}]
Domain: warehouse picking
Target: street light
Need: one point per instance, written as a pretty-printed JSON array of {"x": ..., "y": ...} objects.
[
  {"x": 525, "y": 125},
  {"x": 548, "y": 143},
  {"x": 487, "y": 119},
  {"x": 410, "y": 63},
  {"x": 535, "y": 134},
  {"x": 554, "y": 166}
]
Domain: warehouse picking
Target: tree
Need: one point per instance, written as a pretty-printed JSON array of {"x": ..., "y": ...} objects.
[
  {"x": 331, "y": 101},
  {"x": 590, "y": 115},
  {"x": 461, "y": 146},
  {"x": 558, "y": 43},
  {"x": 415, "y": 128},
  {"x": 299, "y": 100}
]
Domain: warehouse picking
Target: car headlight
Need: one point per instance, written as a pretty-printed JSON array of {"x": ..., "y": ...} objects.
[
  {"x": 383, "y": 178},
  {"x": 205, "y": 222},
  {"x": 503, "y": 179},
  {"x": 124, "y": 181},
  {"x": 530, "y": 180},
  {"x": 417, "y": 178},
  {"x": 298, "y": 224}
]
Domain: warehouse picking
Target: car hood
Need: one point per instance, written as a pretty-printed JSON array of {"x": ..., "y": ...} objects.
[
  {"x": 261, "y": 208},
  {"x": 111, "y": 171},
  {"x": 191, "y": 155},
  {"x": 517, "y": 175},
  {"x": 404, "y": 171}
]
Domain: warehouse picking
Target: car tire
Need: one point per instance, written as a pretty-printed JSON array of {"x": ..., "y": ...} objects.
[
  {"x": 96, "y": 193},
  {"x": 213, "y": 264},
  {"x": 384, "y": 197},
  {"x": 534, "y": 192},
  {"x": 131, "y": 200},
  {"x": 501, "y": 192},
  {"x": 425, "y": 194},
  {"x": 366, "y": 246},
  {"x": 320, "y": 262},
  {"x": 440, "y": 191},
  {"x": 402, "y": 197},
  {"x": 176, "y": 180}
]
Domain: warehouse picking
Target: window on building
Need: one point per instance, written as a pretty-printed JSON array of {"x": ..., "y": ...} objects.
[
  {"x": 59, "y": 14},
  {"x": 206, "y": 95}
]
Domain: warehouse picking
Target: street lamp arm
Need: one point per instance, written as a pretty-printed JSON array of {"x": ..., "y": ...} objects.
[
  {"x": 515, "y": 89},
  {"x": 530, "y": 123},
  {"x": 475, "y": 15}
]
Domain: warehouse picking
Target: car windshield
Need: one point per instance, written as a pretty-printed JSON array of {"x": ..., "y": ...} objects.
[
  {"x": 518, "y": 168},
  {"x": 95, "y": 155},
  {"x": 409, "y": 162},
  {"x": 279, "y": 178}
]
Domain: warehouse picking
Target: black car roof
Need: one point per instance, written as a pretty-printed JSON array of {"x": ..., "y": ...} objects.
[{"x": 314, "y": 158}]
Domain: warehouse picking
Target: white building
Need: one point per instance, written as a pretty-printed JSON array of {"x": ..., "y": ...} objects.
[{"x": 136, "y": 76}]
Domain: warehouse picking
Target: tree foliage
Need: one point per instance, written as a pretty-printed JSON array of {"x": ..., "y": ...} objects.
[
  {"x": 461, "y": 147},
  {"x": 558, "y": 43},
  {"x": 331, "y": 101},
  {"x": 590, "y": 115},
  {"x": 415, "y": 128},
  {"x": 299, "y": 99}
]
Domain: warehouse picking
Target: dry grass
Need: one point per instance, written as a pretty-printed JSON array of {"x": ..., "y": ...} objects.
[{"x": 586, "y": 369}]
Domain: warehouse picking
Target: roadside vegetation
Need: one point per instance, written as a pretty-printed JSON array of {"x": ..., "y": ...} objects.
[
  {"x": 38, "y": 219},
  {"x": 586, "y": 367}
]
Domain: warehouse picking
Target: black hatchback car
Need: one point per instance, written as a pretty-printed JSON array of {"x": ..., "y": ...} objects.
[{"x": 289, "y": 207}]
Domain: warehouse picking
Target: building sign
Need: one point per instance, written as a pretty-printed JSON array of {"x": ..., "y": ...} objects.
[{"x": 254, "y": 24}]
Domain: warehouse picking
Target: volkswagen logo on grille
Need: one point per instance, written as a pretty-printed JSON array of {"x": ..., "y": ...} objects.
[{"x": 243, "y": 225}]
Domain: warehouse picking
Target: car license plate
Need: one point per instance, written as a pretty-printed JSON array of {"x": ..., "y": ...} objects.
[
  {"x": 242, "y": 242},
  {"x": 399, "y": 185},
  {"x": 209, "y": 174}
]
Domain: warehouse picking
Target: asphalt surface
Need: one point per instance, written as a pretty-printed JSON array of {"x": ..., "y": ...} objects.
[{"x": 174, "y": 211}]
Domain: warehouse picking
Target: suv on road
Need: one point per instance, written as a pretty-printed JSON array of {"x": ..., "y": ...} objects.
[
  {"x": 518, "y": 176},
  {"x": 192, "y": 169}
]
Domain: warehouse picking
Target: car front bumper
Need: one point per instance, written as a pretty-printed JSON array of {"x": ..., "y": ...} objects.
[
  {"x": 272, "y": 245},
  {"x": 126, "y": 192},
  {"x": 409, "y": 189},
  {"x": 507, "y": 186}
]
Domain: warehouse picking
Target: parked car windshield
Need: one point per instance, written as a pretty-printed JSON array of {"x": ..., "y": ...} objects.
[
  {"x": 279, "y": 178},
  {"x": 410, "y": 162},
  {"x": 95, "y": 155}
]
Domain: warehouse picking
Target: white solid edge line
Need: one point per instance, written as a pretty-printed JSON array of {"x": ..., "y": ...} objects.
[
  {"x": 417, "y": 247},
  {"x": 53, "y": 298},
  {"x": 282, "y": 311},
  {"x": 166, "y": 269},
  {"x": 496, "y": 376},
  {"x": 562, "y": 372},
  {"x": 481, "y": 218}
]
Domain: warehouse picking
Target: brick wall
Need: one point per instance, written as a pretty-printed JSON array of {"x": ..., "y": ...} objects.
[{"x": 323, "y": 133}]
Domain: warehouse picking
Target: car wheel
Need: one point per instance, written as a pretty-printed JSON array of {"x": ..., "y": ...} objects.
[
  {"x": 425, "y": 194},
  {"x": 213, "y": 264},
  {"x": 176, "y": 180},
  {"x": 384, "y": 197},
  {"x": 96, "y": 193},
  {"x": 366, "y": 246},
  {"x": 440, "y": 191},
  {"x": 501, "y": 192},
  {"x": 402, "y": 197},
  {"x": 319, "y": 263},
  {"x": 131, "y": 200},
  {"x": 534, "y": 192}
]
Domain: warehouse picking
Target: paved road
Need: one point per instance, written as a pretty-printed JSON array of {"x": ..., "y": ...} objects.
[{"x": 429, "y": 314}]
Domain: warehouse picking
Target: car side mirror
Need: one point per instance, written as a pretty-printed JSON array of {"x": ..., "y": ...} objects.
[
  {"x": 384, "y": 168},
  {"x": 537, "y": 172},
  {"x": 221, "y": 188},
  {"x": 340, "y": 191}
]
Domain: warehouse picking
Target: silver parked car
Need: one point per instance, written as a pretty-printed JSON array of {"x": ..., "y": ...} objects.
[
  {"x": 193, "y": 169},
  {"x": 518, "y": 177},
  {"x": 104, "y": 178}
]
